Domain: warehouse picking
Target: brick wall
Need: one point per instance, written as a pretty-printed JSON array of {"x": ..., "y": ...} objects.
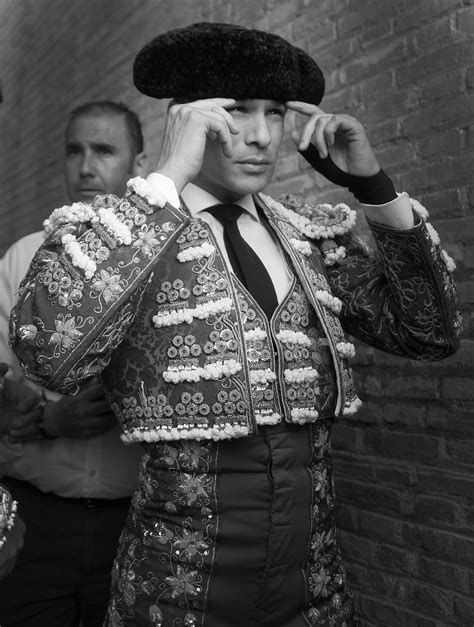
[{"x": 405, "y": 463}]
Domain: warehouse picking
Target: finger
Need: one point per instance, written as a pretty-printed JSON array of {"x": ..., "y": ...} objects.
[
  {"x": 17, "y": 436},
  {"x": 218, "y": 105},
  {"x": 99, "y": 408},
  {"x": 92, "y": 393},
  {"x": 330, "y": 130},
  {"x": 27, "y": 404},
  {"x": 23, "y": 421},
  {"x": 209, "y": 102},
  {"x": 304, "y": 107},
  {"x": 317, "y": 137},
  {"x": 218, "y": 129}
]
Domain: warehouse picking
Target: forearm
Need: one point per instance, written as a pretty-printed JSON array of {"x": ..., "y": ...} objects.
[
  {"x": 83, "y": 289},
  {"x": 403, "y": 301}
]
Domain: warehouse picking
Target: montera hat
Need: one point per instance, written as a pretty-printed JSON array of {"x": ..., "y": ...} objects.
[{"x": 207, "y": 60}]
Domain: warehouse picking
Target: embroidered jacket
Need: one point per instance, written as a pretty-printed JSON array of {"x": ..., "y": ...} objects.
[{"x": 138, "y": 291}]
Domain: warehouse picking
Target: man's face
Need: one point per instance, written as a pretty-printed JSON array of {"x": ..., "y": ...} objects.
[
  {"x": 99, "y": 158},
  {"x": 255, "y": 151}
]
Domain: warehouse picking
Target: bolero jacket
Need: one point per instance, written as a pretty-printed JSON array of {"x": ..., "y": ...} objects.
[{"x": 120, "y": 286}]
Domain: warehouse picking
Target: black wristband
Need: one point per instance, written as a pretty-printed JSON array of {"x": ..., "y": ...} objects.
[{"x": 371, "y": 190}]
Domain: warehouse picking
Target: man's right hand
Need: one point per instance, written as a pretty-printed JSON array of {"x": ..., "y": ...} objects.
[
  {"x": 188, "y": 127},
  {"x": 85, "y": 415}
]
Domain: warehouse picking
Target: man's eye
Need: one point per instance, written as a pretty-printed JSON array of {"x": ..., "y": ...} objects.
[
  {"x": 237, "y": 109},
  {"x": 279, "y": 112},
  {"x": 105, "y": 150},
  {"x": 72, "y": 151}
]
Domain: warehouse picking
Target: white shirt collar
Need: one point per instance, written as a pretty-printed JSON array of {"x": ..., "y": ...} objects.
[{"x": 197, "y": 200}]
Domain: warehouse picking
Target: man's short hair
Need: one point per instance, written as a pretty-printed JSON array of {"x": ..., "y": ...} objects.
[{"x": 132, "y": 123}]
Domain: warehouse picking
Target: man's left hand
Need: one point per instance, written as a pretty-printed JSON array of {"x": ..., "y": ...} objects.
[{"x": 340, "y": 136}]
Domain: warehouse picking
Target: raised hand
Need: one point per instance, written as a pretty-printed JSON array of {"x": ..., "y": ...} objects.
[
  {"x": 339, "y": 136},
  {"x": 188, "y": 127}
]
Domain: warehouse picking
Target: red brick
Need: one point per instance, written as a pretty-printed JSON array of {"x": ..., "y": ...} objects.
[
  {"x": 444, "y": 574},
  {"x": 455, "y": 112},
  {"x": 437, "y": 32},
  {"x": 458, "y": 388},
  {"x": 402, "y": 387},
  {"x": 389, "y": 614},
  {"x": 417, "y": 13},
  {"x": 395, "y": 559},
  {"x": 452, "y": 484},
  {"x": 439, "y": 144},
  {"x": 449, "y": 57},
  {"x": 436, "y": 511},
  {"x": 435, "y": 602},
  {"x": 464, "y": 609},
  {"x": 384, "y": 528},
  {"x": 465, "y": 21},
  {"x": 347, "y": 438},
  {"x": 378, "y": 498},
  {"x": 461, "y": 451},
  {"x": 401, "y": 414}
]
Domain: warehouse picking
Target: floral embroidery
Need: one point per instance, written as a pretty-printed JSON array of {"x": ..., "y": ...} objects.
[
  {"x": 66, "y": 333},
  {"x": 108, "y": 286},
  {"x": 184, "y": 582},
  {"x": 146, "y": 241}
]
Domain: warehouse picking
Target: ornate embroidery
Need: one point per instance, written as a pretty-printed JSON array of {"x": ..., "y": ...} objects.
[
  {"x": 178, "y": 480},
  {"x": 330, "y": 602}
]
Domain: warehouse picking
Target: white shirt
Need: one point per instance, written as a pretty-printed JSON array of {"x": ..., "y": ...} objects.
[
  {"x": 252, "y": 230},
  {"x": 97, "y": 467}
]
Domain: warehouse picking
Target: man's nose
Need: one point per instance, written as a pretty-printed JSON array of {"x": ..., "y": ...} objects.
[
  {"x": 87, "y": 164},
  {"x": 258, "y": 131}
]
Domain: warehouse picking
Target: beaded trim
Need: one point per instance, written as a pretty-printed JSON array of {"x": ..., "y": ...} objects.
[
  {"x": 8, "y": 513},
  {"x": 202, "y": 311}
]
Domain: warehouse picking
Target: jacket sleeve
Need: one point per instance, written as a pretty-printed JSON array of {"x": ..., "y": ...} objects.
[
  {"x": 403, "y": 300},
  {"x": 84, "y": 285}
]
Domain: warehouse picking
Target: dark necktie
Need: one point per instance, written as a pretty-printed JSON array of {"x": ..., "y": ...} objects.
[{"x": 247, "y": 265}]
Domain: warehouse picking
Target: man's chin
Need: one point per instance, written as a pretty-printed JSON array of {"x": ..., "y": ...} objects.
[{"x": 86, "y": 195}]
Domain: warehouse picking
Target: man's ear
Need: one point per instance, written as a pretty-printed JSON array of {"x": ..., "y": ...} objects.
[{"x": 139, "y": 164}]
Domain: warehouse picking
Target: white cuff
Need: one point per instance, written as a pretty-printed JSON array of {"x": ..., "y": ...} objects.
[
  {"x": 165, "y": 186},
  {"x": 397, "y": 213}
]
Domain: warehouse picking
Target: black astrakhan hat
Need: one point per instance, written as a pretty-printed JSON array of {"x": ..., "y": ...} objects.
[{"x": 207, "y": 60}]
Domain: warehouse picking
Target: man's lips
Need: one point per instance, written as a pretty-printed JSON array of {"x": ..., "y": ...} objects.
[{"x": 255, "y": 161}]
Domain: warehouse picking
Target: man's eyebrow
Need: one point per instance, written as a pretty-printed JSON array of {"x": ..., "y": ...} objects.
[{"x": 96, "y": 145}]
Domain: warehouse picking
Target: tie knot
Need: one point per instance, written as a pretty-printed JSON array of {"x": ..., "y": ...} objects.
[{"x": 226, "y": 212}]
